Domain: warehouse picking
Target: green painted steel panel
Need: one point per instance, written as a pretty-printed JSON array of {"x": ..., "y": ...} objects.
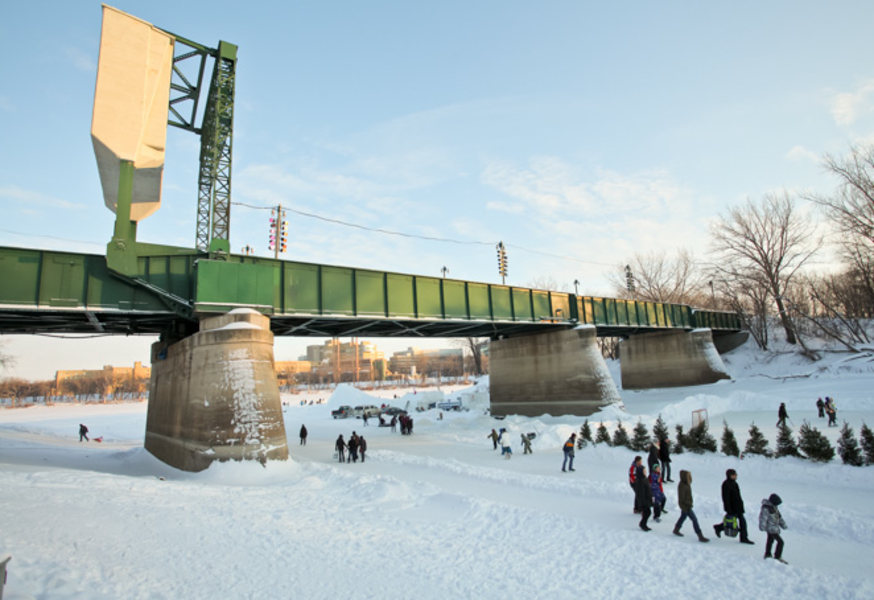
[
  {"x": 19, "y": 274},
  {"x": 224, "y": 286},
  {"x": 107, "y": 291},
  {"x": 301, "y": 292},
  {"x": 455, "y": 299},
  {"x": 667, "y": 321},
  {"x": 610, "y": 311},
  {"x": 401, "y": 295},
  {"x": 502, "y": 308},
  {"x": 561, "y": 307},
  {"x": 337, "y": 292},
  {"x": 370, "y": 293},
  {"x": 428, "y": 302},
  {"x": 622, "y": 312},
  {"x": 62, "y": 280},
  {"x": 542, "y": 307},
  {"x": 589, "y": 311},
  {"x": 478, "y": 298},
  {"x": 599, "y": 315},
  {"x": 522, "y": 305}
]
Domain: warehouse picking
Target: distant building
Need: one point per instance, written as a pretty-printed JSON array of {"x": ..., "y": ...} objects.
[
  {"x": 287, "y": 370},
  {"x": 448, "y": 362},
  {"x": 134, "y": 378},
  {"x": 336, "y": 362}
]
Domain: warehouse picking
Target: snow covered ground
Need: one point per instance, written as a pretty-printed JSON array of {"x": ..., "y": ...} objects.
[{"x": 437, "y": 514}]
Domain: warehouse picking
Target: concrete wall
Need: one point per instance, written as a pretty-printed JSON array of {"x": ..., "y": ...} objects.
[
  {"x": 670, "y": 359},
  {"x": 214, "y": 395},
  {"x": 559, "y": 373}
]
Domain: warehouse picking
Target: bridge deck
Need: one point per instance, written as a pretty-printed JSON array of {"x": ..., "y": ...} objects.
[{"x": 61, "y": 292}]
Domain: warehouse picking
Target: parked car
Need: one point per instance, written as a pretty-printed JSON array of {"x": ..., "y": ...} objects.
[
  {"x": 450, "y": 405},
  {"x": 393, "y": 411},
  {"x": 367, "y": 409},
  {"x": 342, "y": 412}
]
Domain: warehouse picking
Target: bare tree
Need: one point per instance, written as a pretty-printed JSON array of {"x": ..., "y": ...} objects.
[
  {"x": 6, "y": 361},
  {"x": 660, "y": 278},
  {"x": 544, "y": 282},
  {"x": 473, "y": 353},
  {"x": 768, "y": 242}
]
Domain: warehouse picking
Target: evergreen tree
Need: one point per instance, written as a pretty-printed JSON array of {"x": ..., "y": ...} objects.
[
  {"x": 786, "y": 445},
  {"x": 640, "y": 440},
  {"x": 757, "y": 443},
  {"x": 586, "y": 432},
  {"x": 660, "y": 430},
  {"x": 680, "y": 446},
  {"x": 729, "y": 442},
  {"x": 867, "y": 438},
  {"x": 582, "y": 442},
  {"x": 602, "y": 437},
  {"x": 813, "y": 444},
  {"x": 699, "y": 440},
  {"x": 848, "y": 447},
  {"x": 620, "y": 436}
]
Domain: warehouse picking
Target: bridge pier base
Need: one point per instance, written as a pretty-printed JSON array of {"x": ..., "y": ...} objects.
[
  {"x": 214, "y": 395},
  {"x": 670, "y": 359},
  {"x": 557, "y": 373}
]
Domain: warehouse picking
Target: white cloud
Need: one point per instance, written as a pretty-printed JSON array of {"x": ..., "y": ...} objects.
[
  {"x": 30, "y": 198},
  {"x": 846, "y": 106},
  {"x": 800, "y": 154}
]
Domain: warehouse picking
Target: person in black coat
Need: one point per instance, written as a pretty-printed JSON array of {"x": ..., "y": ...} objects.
[
  {"x": 653, "y": 458},
  {"x": 303, "y": 435},
  {"x": 643, "y": 496},
  {"x": 733, "y": 504},
  {"x": 665, "y": 459},
  {"x": 782, "y": 415}
]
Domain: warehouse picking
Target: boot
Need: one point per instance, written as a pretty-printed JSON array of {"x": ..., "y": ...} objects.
[
  {"x": 677, "y": 531},
  {"x": 701, "y": 538}
]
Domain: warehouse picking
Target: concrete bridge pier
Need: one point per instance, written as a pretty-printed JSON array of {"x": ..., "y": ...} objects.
[
  {"x": 559, "y": 373},
  {"x": 214, "y": 395},
  {"x": 670, "y": 359}
]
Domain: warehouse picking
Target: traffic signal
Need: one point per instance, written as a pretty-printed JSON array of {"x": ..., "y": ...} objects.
[
  {"x": 283, "y": 234},
  {"x": 272, "y": 244}
]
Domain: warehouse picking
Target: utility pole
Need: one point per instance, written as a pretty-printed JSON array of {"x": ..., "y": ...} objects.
[
  {"x": 444, "y": 270},
  {"x": 278, "y": 231},
  {"x": 502, "y": 261},
  {"x": 577, "y": 287}
]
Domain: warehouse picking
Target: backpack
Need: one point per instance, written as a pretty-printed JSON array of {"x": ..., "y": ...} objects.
[{"x": 730, "y": 525}]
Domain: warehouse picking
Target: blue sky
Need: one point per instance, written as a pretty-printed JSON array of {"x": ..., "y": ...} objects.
[{"x": 584, "y": 131}]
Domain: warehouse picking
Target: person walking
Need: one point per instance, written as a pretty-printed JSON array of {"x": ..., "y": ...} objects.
[
  {"x": 820, "y": 408},
  {"x": 638, "y": 461},
  {"x": 364, "y": 417},
  {"x": 353, "y": 447},
  {"x": 526, "y": 444},
  {"x": 643, "y": 495},
  {"x": 568, "y": 450},
  {"x": 362, "y": 447},
  {"x": 494, "y": 437},
  {"x": 506, "y": 450},
  {"x": 733, "y": 504},
  {"x": 665, "y": 459},
  {"x": 832, "y": 411},
  {"x": 83, "y": 433},
  {"x": 340, "y": 447},
  {"x": 770, "y": 521},
  {"x": 684, "y": 499},
  {"x": 782, "y": 415},
  {"x": 303, "y": 435},
  {"x": 394, "y": 423},
  {"x": 658, "y": 493}
]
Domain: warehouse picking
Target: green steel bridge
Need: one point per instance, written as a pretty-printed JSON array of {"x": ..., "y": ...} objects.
[{"x": 45, "y": 291}]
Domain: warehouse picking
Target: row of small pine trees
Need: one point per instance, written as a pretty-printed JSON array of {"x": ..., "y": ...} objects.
[{"x": 811, "y": 443}]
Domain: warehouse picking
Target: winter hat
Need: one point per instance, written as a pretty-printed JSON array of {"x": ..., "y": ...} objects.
[
  {"x": 730, "y": 472},
  {"x": 775, "y": 500},
  {"x": 656, "y": 467}
]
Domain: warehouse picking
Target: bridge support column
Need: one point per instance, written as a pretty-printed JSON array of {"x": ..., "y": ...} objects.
[
  {"x": 670, "y": 359},
  {"x": 214, "y": 395},
  {"x": 557, "y": 373}
]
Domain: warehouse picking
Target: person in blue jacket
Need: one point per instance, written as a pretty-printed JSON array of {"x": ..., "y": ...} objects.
[{"x": 658, "y": 493}]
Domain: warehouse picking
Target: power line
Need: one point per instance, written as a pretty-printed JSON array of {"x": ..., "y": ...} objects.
[
  {"x": 424, "y": 237},
  {"x": 51, "y": 237}
]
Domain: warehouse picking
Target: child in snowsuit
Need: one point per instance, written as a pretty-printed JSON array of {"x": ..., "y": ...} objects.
[
  {"x": 506, "y": 450},
  {"x": 638, "y": 461},
  {"x": 658, "y": 492},
  {"x": 770, "y": 521},
  {"x": 494, "y": 437},
  {"x": 568, "y": 450},
  {"x": 526, "y": 443},
  {"x": 684, "y": 499}
]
